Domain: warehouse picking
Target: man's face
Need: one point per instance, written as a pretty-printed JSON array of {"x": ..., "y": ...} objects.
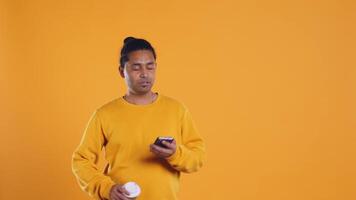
[{"x": 139, "y": 71}]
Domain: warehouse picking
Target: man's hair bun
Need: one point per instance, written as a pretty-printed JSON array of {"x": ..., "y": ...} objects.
[
  {"x": 129, "y": 39},
  {"x": 133, "y": 44}
]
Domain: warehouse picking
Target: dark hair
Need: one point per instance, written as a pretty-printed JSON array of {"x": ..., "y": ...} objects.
[{"x": 133, "y": 44}]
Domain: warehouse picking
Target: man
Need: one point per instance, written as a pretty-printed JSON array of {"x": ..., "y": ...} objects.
[{"x": 128, "y": 126}]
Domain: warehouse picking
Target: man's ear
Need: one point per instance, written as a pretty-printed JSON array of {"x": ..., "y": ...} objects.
[{"x": 121, "y": 71}]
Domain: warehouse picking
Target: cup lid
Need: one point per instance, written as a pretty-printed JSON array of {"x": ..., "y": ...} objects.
[{"x": 133, "y": 189}]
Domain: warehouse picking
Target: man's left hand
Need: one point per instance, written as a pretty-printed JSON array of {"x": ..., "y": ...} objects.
[{"x": 164, "y": 152}]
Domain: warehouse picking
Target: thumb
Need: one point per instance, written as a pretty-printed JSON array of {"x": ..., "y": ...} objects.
[{"x": 168, "y": 144}]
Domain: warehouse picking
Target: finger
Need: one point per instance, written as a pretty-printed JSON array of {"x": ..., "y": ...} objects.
[
  {"x": 155, "y": 151},
  {"x": 124, "y": 191},
  {"x": 159, "y": 153},
  {"x": 123, "y": 197},
  {"x": 161, "y": 149},
  {"x": 151, "y": 147},
  {"x": 169, "y": 145},
  {"x": 117, "y": 193},
  {"x": 115, "y": 196}
]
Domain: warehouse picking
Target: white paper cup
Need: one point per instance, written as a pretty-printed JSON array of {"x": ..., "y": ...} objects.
[{"x": 133, "y": 189}]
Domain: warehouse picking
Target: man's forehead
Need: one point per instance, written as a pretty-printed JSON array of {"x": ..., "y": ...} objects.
[
  {"x": 141, "y": 54},
  {"x": 141, "y": 60}
]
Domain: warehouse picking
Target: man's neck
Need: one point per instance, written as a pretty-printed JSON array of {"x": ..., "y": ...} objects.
[{"x": 140, "y": 99}]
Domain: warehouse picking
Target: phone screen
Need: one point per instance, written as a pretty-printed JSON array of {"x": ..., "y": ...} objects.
[{"x": 159, "y": 141}]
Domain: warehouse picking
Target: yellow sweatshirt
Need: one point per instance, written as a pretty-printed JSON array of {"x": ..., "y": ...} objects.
[{"x": 126, "y": 130}]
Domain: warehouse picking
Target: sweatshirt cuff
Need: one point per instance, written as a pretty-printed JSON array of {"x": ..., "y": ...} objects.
[
  {"x": 172, "y": 158},
  {"x": 107, "y": 185}
]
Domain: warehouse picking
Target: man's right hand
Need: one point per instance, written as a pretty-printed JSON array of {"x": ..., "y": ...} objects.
[{"x": 117, "y": 192}]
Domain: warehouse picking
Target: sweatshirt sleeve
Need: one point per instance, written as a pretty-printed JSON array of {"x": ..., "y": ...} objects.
[
  {"x": 190, "y": 154},
  {"x": 85, "y": 160}
]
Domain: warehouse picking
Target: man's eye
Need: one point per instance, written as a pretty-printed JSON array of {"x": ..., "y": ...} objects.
[{"x": 150, "y": 67}]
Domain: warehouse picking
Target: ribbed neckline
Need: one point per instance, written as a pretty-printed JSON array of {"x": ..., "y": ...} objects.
[{"x": 123, "y": 101}]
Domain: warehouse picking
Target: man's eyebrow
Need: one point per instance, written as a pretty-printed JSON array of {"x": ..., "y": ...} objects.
[
  {"x": 142, "y": 63},
  {"x": 137, "y": 63}
]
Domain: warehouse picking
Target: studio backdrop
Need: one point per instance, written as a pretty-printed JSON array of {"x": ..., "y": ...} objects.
[{"x": 270, "y": 85}]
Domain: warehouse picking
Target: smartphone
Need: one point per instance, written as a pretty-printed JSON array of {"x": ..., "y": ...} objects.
[{"x": 159, "y": 141}]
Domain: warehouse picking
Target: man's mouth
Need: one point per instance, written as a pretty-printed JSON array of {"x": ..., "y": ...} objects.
[{"x": 144, "y": 83}]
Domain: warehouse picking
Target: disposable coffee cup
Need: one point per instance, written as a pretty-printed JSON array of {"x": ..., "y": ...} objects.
[{"x": 133, "y": 189}]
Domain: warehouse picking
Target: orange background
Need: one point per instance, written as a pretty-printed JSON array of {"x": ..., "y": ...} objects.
[{"x": 270, "y": 84}]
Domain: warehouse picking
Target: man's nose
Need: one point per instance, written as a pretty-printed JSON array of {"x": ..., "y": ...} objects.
[{"x": 143, "y": 73}]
